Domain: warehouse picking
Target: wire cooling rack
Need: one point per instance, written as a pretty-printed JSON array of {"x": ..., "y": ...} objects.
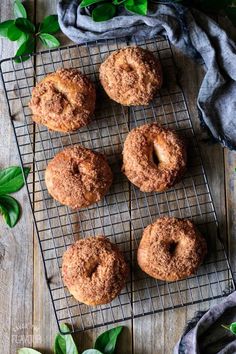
[{"x": 125, "y": 211}]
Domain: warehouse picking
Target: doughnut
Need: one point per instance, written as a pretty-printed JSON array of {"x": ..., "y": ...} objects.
[
  {"x": 78, "y": 177},
  {"x": 154, "y": 158},
  {"x": 94, "y": 270},
  {"x": 171, "y": 249},
  {"x": 63, "y": 101},
  {"x": 131, "y": 76}
]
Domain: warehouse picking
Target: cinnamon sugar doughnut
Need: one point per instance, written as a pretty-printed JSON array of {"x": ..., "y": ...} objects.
[
  {"x": 78, "y": 177},
  {"x": 63, "y": 101},
  {"x": 131, "y": 76},
  {"x": 94, "y": 270},
  {"x": 154, "y": 158},
  {"x": 171, "y": 249}
]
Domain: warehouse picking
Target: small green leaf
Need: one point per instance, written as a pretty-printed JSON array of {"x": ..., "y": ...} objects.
[
  {"x": 23, "y": 38},
  {"x": 19, "y": 10},
  {"x": 28, "y": 351},
  {"x": 26, "y": 47},
  {"x": 104, "y": 12},
  {"x": 4, "y": 26},
  {"x": 48, "y": 40},
  {"x": 64, "y": 344},
  {"x": 13, "y": 33},
  {"x": 85, "y": 3},
  {"x": 49, "y": 25},
  {"x": 92, "y": 351},
  {"x": 106, "y": 342},
  {"x": 11, "y": 179},
  {"x": 233, "y": 328},
  {"x": 10, "y": 210},
  {"x": 231, "y": 13},
  {"x": 25, "y": 25},
  {"x": 136, "y": 6}
]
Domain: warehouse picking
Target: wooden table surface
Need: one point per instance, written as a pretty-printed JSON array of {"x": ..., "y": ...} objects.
[{"x": 26, "y": 313}]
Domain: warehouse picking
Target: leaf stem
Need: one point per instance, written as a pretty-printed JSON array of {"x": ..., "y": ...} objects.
[{"x": 226, "y": 327}]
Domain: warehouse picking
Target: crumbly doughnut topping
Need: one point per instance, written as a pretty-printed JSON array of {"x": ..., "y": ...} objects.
[
  {"x": 78, "y": 177},
  {"x": 131, "y": 76},
  {"x": 154, "y": 158},
  {"x": 94, "y": 270},
  {"x": 63, "y": 100},
  {"x": 171, "y": 249}
]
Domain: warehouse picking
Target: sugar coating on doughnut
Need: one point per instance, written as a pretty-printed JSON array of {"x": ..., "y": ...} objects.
[
  {"x": 171, "y": 249},
  {"x": 131, "y": 76},
  {"x": 63, "y": 100},
  {"x": 94, "y": 270},
  {"x": 154, "y": 158},
  {"x": 78, "y": 177}
]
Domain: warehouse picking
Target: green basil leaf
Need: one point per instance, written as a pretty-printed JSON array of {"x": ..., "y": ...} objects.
[
  {"x": 136, "y": 6},
  {"x": 4, "y": 26},
  {"x": 85, "y": 3},
  {"x": 48, "y": 40},
  {"x": 104, "y": 12},
  {"x": 64, "y": 344},
  {"x": 19, "y": 10},
  {"x": 26, "y": 47},
  {"x": 233, "y": 328},
  {"x": 10, "y": 210},
  {"x": 13, "y": 33},
  {"x": 28, "y": 351},
  {"x": 106, "y": 342},
  {"x": 92, "y": 351},
  {"x": 231, "y": 13},
  {"x": 23, "y": 38},
  {"x": 11, "y": 179},
  {"x": 25, "y": 25},
  {"x": 49, "y": 25}
]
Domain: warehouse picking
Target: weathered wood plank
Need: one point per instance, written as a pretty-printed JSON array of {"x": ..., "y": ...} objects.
[
  {"x": 16, "y": 245},
  {"x": 170, "y": 325},
  {"x": 43, "y": 308},
  {"x": 29, "y": 321}
]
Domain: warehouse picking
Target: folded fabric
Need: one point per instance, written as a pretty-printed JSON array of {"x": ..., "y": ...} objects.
[
  {"x": 205, "y": 335},
  {"x": 188, "y": 29}
]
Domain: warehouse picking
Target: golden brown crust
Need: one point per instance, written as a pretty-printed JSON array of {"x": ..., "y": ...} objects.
[
  {"x": 94, "y": 270},
  {"x": 131, "y": 76},
  {"x": 171, "y": 249},
  {"x": 78, "y": 177},
  {"x": 154, "y": 158},
  {"x": 63, "y": 101}
]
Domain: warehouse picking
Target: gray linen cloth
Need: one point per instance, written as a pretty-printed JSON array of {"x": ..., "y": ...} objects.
[
  {"x": 205, "y": 335},
  {"x": 188, "y": 29}
]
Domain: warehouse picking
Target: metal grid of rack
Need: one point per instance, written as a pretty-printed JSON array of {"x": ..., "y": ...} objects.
[{"x": 125, "y": 211}]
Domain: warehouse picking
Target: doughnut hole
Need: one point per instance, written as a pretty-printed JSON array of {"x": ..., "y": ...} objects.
[
  {"x": 173, "y": 247},
  {"x": 159, "y": 154}
]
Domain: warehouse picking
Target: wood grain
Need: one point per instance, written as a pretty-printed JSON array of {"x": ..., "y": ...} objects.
[
  {"x": 16, "y": 245},
  {"x": 26, "y": 310}
]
